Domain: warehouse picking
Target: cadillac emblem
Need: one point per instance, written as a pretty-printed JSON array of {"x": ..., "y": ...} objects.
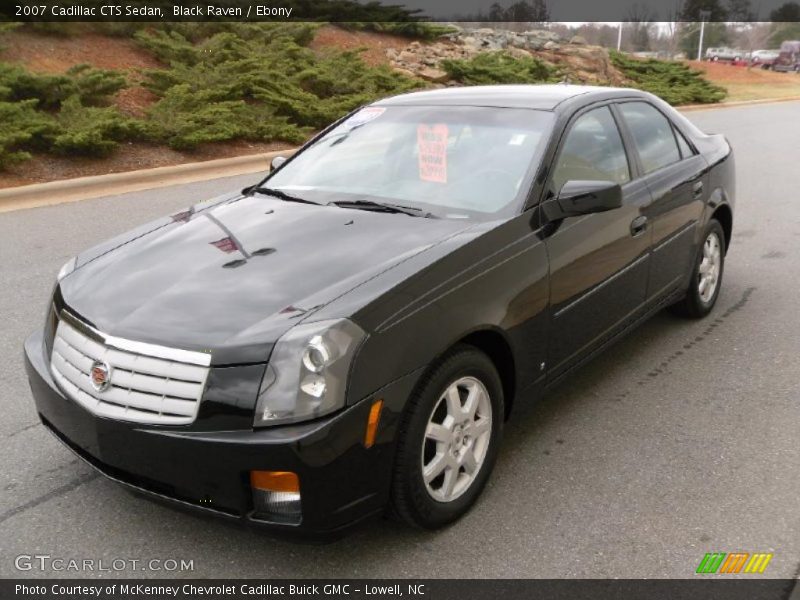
[{"x": 100, "y": 375}]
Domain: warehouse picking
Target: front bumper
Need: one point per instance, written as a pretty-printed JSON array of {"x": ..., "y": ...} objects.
[{"x": 341, "y": 481}]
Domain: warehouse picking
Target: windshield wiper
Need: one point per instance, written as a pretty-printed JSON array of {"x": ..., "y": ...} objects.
[
  {"x": 384, "y": 207},
  {"x": 276, "y": 194}
]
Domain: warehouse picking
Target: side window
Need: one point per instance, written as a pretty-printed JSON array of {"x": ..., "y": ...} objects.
[
  {"x": 686, "y": 150},
  {"x": 592, "y": 151},
  {"x": 652, "y": 134}
]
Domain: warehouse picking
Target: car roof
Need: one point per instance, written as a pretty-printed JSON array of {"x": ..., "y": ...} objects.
[{"x": 540, "y": 97}]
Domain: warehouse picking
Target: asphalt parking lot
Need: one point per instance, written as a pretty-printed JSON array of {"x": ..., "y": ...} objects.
[{"x": 681, "y": 440}]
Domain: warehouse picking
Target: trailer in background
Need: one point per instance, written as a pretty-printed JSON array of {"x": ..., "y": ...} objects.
[{"x": 789, "y": 57}]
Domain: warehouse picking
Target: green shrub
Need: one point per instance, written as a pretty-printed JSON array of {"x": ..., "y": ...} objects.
[
  {"x": 295, "y": 87},
  {"x": 175, "y": 42},
  {"x": 23, "y": 128},
  {"x": 300, "y": 33},
  {"x": 330, "y": 87},
  {"x": 92, "y": 85},
  {"x": 225, "y": 81},
  {"x": 18, "y": 84},
  {"x": 410, "y": 29},
  {"x": 92, "y": 131},
  {"x": 500, "y": 67},
  {"x": 168, "y": 46},
  {"x": 186, "y": 118},
  {"x": 672, "y": 81},
  {"x": 95, "y": 86}
]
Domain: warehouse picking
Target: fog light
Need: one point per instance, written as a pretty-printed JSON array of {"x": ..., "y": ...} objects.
[{"x": 276, "y": 496}]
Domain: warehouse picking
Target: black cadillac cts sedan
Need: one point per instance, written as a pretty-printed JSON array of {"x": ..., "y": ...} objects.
[{"x": 348, "y": 336}]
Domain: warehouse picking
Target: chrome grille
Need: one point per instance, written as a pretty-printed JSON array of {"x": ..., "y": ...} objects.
[{"x": 148, "y": 383}]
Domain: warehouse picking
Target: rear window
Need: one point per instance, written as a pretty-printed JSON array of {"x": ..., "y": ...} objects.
[{"x": 653, "y": 135}]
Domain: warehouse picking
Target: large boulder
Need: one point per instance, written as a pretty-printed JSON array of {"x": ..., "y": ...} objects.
[
  {"x": 434, "y": 75},
  {"x": 542, "y": 34},
  {"x": 518, "y": 52},
  {"x": 407, "y": 56}
]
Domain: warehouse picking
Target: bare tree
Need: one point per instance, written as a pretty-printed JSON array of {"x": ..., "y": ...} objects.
[
  {"x": 754, "y": 36},
  {"x": 640, "y": 16},
  {"x": 672, "y": 28}
]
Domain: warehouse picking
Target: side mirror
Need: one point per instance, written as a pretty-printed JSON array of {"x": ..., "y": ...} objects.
[
  {"x": 276, "y": 163},
  {"x": 582, "y": 198}
]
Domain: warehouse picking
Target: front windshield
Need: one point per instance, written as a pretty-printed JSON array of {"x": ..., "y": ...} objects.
[{"x": 452, "y": 161}]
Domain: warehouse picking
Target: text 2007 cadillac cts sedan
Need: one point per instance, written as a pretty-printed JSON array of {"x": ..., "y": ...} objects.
[{"x": 348, "y": 336}]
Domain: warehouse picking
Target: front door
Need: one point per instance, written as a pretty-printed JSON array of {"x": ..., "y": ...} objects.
[{"x": 598, "y": 262}]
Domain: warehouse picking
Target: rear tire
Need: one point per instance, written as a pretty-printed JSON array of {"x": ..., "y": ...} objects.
[
  {"x": 448, "y": 439},
  {"x": 706, "y": 279}
]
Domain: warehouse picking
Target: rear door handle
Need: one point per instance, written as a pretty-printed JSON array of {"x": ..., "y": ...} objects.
[
  {"x": 638, "y": 226},
  {"x": 697, "y": 189}
]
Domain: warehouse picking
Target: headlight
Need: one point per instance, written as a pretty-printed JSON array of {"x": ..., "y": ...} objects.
[
  {"x": 68, "y": 268},
  {"x": 307, "y": 373}
]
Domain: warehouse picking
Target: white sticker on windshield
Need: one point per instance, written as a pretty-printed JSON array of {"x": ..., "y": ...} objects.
[
  {"x": 365, "y": 115},
  {"x": 517, "y": 139}
]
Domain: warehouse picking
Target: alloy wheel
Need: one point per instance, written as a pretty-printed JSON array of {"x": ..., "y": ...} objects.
[
  {"x": 456, "y": 439},
  {"x": 708, "y": 272}
]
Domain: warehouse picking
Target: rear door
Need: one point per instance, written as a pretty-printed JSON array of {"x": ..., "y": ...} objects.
[
  {"x": 598, "y": 262},
  {"x": 674, "y": 174}
]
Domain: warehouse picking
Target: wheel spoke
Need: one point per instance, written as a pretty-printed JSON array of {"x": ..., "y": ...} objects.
[
  {"x": 469, "y": 462},
  {"x": 434, "y": 468},
  {"x": 449, "y": 484},
  {"x": 480, "y": 427},
  {"x": 453, "y": 401},
  {"x": 703, "y": 284},
  {"x": 438, "y": 433},
  {"x": 471, "y": 404}
]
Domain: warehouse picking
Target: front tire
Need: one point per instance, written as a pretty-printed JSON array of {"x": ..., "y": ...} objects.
[
  {"x": 706, "y": 279},
  {"x": 448, "y": 439}
]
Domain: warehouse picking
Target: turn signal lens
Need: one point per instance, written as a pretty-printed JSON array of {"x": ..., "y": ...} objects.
[
  {"x": 276, "y": 496},
  {"x": 275, "y": 481},
  {"x": 372, "y": 423}
]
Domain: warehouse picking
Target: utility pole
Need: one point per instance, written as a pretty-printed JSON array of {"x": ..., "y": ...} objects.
[
  {"x": 704, "y": 14},
  {"x": 619, "y": 37}
]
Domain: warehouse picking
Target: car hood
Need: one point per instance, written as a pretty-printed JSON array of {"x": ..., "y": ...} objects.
[{"x": 233, "y": 277}]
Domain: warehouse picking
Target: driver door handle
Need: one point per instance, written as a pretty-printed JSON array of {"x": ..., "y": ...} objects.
[{"x": 638, "y": 226}]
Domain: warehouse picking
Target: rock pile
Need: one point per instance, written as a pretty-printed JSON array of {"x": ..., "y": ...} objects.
[{"x": 582, "y": 63}]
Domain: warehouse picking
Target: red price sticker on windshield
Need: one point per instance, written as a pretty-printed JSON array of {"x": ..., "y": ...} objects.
[{"x": 432, "y": 145}]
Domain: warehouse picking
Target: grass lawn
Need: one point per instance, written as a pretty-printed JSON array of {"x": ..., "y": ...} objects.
[{"x": 750, "y": 84}]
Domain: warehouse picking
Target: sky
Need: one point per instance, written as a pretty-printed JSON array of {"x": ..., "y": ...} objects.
[{"x": 609, "y": 11}]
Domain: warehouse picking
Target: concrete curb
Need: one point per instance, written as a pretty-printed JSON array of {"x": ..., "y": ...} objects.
[
  {"x": 83, "y": 188},
  {"x": 738, "y": 103}
]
